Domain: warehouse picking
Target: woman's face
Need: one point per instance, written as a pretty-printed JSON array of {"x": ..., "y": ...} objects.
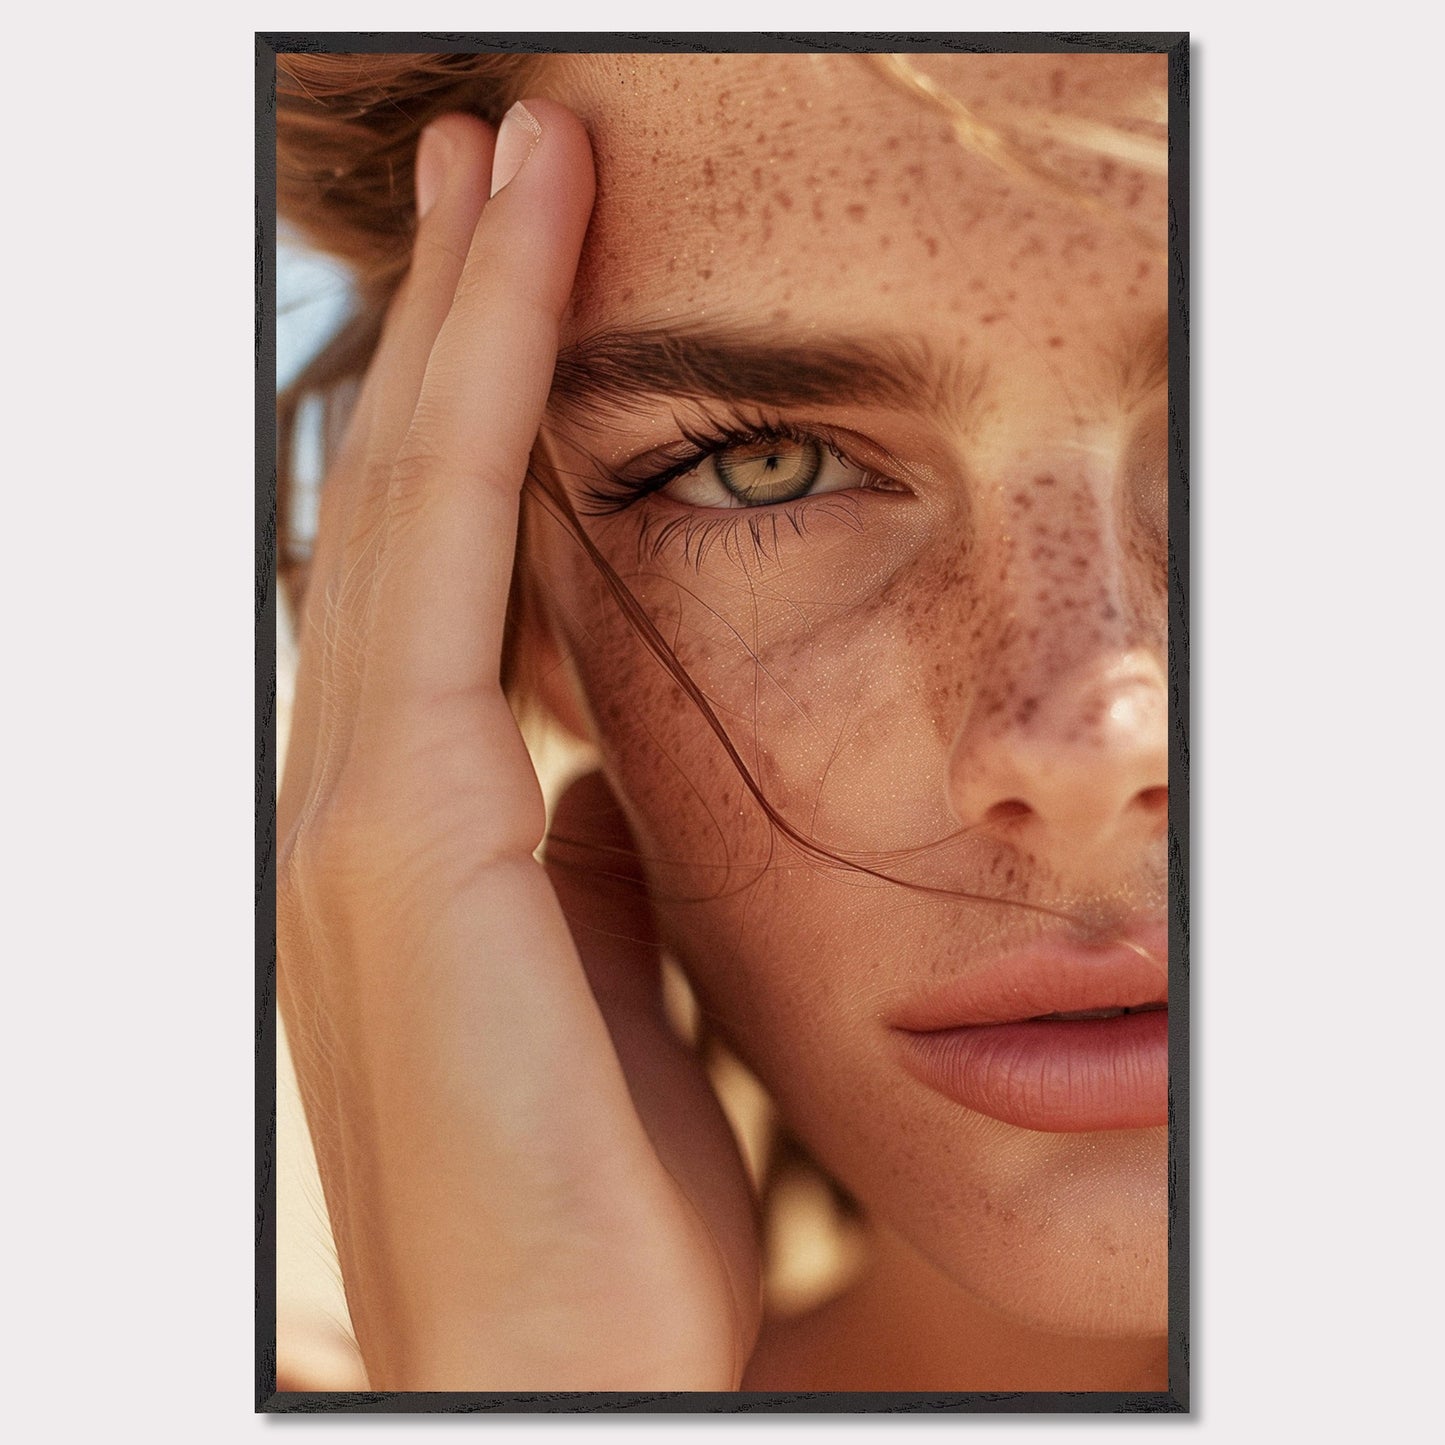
[{"x": 920, "y": 579}]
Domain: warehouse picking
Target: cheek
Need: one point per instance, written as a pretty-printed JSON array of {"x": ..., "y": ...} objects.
[
  {"x": 835, "y": 682},
  {"x": 834, "y": 692},
  {"x": 686, "y": 801}
]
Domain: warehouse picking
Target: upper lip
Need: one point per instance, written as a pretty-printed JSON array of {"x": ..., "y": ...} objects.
[{"x": 1049, "y": 976}]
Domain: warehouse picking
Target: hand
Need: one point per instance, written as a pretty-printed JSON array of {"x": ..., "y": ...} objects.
[{"x": 530, "y": 1183}]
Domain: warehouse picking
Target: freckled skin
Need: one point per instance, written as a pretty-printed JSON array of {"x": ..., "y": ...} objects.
[{"x": 877, "y": 672}]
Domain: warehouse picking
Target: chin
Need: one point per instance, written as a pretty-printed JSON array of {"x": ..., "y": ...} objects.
[
  {"x": 1119, "y": 1298},
  {"x": 1067, "y": 1235}
]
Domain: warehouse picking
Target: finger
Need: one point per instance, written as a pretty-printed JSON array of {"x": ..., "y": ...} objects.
[
  {"x": 451, "y": 521},
  {"x": 453, "y": 173}
]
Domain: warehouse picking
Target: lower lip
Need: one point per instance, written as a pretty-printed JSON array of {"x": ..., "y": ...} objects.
[{"x": 1062, "y": 1076}]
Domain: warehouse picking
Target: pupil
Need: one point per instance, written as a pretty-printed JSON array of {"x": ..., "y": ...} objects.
[{"x": 769, "y": 472}]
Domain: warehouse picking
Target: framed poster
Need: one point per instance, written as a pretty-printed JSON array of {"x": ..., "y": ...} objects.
[{"x": 729, "y": 864}]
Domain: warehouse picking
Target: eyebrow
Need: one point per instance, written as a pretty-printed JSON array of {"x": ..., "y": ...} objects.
[{"x": 743, "y": 365}]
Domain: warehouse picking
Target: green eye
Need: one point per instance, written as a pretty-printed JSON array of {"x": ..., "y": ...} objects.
[{"x": 759, "y": 473}]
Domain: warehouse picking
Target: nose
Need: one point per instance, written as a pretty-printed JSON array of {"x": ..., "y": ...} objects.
[{"x": 1079, "y": 764}]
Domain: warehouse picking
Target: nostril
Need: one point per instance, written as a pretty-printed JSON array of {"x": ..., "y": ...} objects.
[
  {"x": 1007, "y": 811},
  {"x": 1155, "y": 800}
]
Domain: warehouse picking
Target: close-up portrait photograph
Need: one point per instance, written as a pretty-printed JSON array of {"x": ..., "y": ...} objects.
[
  {"x": 731, "y": 826},
  {"x": 725, "y": 733}
]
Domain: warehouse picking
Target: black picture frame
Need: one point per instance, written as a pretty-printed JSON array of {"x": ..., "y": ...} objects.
[{"x": 1175, "y": 1399}]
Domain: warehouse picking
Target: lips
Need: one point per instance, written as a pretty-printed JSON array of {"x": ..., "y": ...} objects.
[{"x": 1060, "y": 1037}]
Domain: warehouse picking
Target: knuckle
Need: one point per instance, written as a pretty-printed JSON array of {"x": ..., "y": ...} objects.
[
  {"x": 337, "y": 855},
  {"x": 426, "y": 465},
  {"x": 477, "y": 287},
  {"x": 435, "y": 250},
  {"x": 412, "y": 474}
]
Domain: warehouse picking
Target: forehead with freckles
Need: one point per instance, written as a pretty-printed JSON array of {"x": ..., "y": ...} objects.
[{"x": 811, "y": 192}]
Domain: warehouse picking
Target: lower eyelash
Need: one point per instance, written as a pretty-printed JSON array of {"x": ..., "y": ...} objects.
[{"x": 746, "y": 533}]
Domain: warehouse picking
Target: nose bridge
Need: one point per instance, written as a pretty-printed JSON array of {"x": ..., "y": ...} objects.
[
  {"x": 1062, "y": 598},
  {"x": 1067, "y": 723}
]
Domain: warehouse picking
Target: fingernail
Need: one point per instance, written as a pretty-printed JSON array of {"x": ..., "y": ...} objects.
[
  {"x": 516, "y": 140},
  {"x": 433, "y": 157}
]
